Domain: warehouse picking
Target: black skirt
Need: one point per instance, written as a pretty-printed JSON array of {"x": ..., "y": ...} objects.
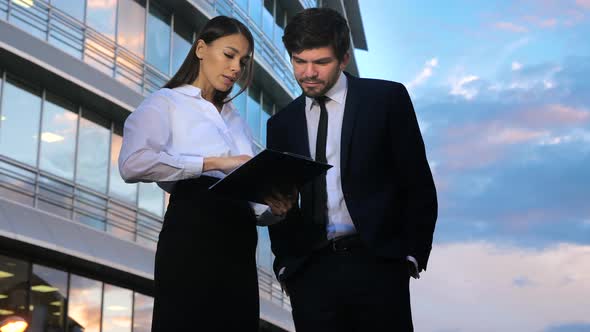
[{"x": 205, "y": 270}]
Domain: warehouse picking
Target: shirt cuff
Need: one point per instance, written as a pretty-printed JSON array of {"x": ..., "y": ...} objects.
[
  {"x": 193, "y": 166},
  {"x": 415, "y": 262},
  {"x": 267, "y": 218}
]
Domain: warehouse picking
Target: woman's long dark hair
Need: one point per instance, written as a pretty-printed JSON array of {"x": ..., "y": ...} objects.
[{"x": 216, "y": 28}]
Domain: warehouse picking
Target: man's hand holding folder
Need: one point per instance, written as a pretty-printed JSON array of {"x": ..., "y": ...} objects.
[{"x": 282, "y": 200}]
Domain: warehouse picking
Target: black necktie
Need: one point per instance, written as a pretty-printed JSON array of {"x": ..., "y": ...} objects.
[{"x": 320, "y": 194}]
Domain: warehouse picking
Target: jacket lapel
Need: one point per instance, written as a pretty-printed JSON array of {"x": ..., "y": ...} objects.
[{"x": 351, "y": 107}]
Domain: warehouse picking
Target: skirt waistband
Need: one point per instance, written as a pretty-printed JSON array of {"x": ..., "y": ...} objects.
[{"x": 191, "y": 187}]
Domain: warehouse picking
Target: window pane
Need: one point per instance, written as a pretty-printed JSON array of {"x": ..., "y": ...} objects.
[
  {"x": 21, "y": 109},
  {"x": 93, "y": 152},
  {"x": 142, "y": 313},
  {"x": 29, "y": 16},
  {"x": 101, "y": 15},
  {"x": 182, "y": 41},
  {"x": 256, "y": 11},
  {"x": 13, "y": 287},
  {"x": 58, "y": 138},
  {"x": 48, "y": 294},
  {"x": 243, "y": 4},
  {"x": 131, "y": 24},
  {"x": 263, "y": 256},
  {"x": 254, "y": 111},
  {"x": 280, "y": 15},
  {"x": 117, "y": 309},
  {"x": 278, "y": 41},
  {"x": 74, "y": 8},
  {"x": 84, "y": 304},
  {"x": 65, "y": 35},
  {"x": 118, "y": 187},
  {"x": 158, "y": 38},
  {"x": 265, "y": 115},
  {"x": 151, "y": 198},
  {"x": 3, "y": 10},
  {"x": 267, "y": 19}
]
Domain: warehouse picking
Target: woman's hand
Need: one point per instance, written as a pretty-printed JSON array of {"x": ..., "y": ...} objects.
[{"x": 224, "y": 164}]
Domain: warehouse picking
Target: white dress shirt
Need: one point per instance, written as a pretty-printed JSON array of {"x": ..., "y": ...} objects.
[
  {"x": 171, "y": 132},
  {"x": 339, "y": 220}
]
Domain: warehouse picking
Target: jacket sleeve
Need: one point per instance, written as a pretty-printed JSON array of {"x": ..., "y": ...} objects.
[{"x": 418, "y": 192}]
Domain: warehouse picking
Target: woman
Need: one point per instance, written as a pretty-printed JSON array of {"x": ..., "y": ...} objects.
[{"x": 184, "y": 137}]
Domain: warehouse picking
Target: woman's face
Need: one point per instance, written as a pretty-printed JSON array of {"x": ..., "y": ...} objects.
[{"x": 223, "y": 61}]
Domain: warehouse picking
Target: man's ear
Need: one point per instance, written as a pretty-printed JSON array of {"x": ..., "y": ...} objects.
[
  {"x": 200, "y": 49},
  {"x": 345, "y": 60}
]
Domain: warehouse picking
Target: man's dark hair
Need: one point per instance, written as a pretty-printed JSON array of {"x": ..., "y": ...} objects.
[{"x": 315, "y": 28}]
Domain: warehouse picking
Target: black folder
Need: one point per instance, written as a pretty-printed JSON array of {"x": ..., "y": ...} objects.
[{"x": 267, "y": 171}]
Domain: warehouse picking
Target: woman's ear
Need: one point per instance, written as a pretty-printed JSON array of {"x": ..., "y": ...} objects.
[{"x": 201, "y": 49}]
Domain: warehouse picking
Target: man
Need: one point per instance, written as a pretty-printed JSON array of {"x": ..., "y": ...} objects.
[{"x": 345, "y": 254}]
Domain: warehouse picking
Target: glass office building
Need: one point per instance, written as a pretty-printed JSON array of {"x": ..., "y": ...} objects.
[{"x": 77, "y": 244}]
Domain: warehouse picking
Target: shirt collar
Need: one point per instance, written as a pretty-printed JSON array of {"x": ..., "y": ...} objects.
[
  {"x": 193, "y": 91},
  {"x": 189, "y": 90},
  {"x": 336, "y": 93}
]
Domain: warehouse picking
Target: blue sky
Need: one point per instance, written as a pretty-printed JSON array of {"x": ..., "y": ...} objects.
[{"x": 502, "y": 93}]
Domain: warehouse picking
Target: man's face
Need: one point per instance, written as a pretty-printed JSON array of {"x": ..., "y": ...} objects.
[{"x": 317, "y": 70}]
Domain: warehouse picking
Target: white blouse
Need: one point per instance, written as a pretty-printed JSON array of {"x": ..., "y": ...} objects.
[{"x": 167, "y": 137}]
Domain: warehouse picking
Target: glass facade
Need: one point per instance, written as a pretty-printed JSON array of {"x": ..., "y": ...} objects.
[
  {"x": 101, "y": 15},
  {"x": 93, "y": 151},
  {"x": 58, "y": 301},
  {"x": 85, "y": 304},
  {"x": 117, "y": 309},
  {"x": 58, "y": 138},
  {"x": 14, "y": 276},
  {"x": 61, "y": 156},
  {"x": 131, "y": 40},
  {"x": 182, "y": 40},
  {"x": 21, "y": 109},
  {"x": 158, "y": 38},
  {"x": 77, "y": 148},
  {"x": 48, "y": 296}
]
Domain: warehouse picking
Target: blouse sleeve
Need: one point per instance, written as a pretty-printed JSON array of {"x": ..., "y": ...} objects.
[{"x": 143, "y": 155}]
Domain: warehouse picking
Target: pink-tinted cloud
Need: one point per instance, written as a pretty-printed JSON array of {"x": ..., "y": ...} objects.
[
  {"x": 542, "y": 21},
  {"x": 476, "y": 145},
  {"x": 583, "y": 3},
  {"x": 555, "y": 115},
  {"x": 506, "y": 136},
  {"x": 472, "y": 284},
  {"x": 509, "y": 26}
]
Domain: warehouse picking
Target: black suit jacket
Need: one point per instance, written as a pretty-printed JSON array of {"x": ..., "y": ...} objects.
[{"x": 386, "y": 179}]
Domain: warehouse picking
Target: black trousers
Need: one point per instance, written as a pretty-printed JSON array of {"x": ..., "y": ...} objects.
[
  {"x": 350, "y": 291},
  {"x": 205, "y": 271}
]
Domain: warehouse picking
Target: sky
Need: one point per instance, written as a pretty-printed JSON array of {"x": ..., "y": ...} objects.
[{"x": 501, "y": 90}]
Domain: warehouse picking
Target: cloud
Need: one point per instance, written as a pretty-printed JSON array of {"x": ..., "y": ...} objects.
[
  {"x": 509, "y": 26},
  {"x": 583, "y": 3},
  {"x": 555, "y": 115},
  {"x": 516, "y": 65},
  {"x": 511, "y": 162},
  {"x": 463, "y": 87},
  {"x": 542, "y": 22},
  {"x": 471, "y": 285},
  {"x": 424, "y": 74}
]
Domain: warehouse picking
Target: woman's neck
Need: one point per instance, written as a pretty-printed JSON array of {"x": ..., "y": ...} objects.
[{"x": 207, "y": 90}]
